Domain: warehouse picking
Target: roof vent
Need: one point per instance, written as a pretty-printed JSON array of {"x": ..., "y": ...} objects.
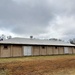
[{"x": 31, "y": 37}]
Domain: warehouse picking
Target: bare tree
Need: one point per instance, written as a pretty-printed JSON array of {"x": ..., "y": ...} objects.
[
  {"x": 9, "y": 37},
  {"x": 72, "y": 41},
  {"x": 3, "y": 37}
]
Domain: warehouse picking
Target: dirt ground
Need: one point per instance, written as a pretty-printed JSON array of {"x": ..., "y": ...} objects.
[{"x": 41, "y": 65}]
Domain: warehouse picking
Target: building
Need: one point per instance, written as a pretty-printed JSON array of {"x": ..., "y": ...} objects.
[{"x": 17, "y": 47}]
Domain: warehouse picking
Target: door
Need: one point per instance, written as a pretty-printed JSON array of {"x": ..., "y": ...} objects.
[
  {"x": 66, "y": 50},
  {"x": 27, "y": 50}
]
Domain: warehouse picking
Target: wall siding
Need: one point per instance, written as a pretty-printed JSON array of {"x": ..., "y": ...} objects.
[
  {"x": 43, "y": 50},
  {"x": 36, "y": 50},
  {"x": 17, "y": 51},
  {"x": 5, "y": 52},
  {"x": 73, "y": 50},
  {"x": 61, "y": 50},
  {"x": 49, "y": 50},
  {"x": 70, "y": 50},
  {"x": 55, "y": 50}
]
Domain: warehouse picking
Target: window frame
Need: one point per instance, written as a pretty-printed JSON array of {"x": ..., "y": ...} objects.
[
  {"x": 5, "y": 46},
  {"x": 56, "y": 47},
  {"x": 43, "y": 47}
]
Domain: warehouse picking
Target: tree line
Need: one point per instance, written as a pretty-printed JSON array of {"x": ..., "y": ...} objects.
[{"x": 3, "y": 37}]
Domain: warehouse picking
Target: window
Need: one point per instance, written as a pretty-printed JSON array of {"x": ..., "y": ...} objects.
[
  {"x": 55, "y": 47},
  {"x": 43, "y": 47},
  {"x": 5, "y": 46}
]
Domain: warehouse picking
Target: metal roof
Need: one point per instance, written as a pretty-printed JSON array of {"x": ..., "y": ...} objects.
[{"x": 28, "y": 41}]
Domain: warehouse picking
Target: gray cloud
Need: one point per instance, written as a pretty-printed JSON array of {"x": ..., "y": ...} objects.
[
  {"x": 36, "y": 17},
  {"x": 25, "y": 17}
]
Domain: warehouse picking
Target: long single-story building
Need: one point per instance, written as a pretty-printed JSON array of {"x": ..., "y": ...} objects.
[{"x": 17, "y": 47}]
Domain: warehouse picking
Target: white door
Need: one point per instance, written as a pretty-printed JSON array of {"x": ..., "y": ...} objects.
[
  {"x": 27, "y": 50},
  {"x": 66, "y": 50}
]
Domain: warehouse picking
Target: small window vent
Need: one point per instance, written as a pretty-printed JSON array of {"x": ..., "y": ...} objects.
[
  {"x": 56, "y": 47},
  {"x": 5, "y": 47}
]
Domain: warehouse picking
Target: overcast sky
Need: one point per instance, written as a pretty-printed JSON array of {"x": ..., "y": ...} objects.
[{"x": 40, "y": 18}]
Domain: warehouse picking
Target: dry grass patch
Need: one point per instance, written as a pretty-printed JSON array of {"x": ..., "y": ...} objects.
[
  {"x": 6, "y": 60},
  {"x": 41, "y": 65}
]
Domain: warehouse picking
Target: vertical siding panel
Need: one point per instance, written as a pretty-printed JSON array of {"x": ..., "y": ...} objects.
[
  {"x": 32, "y": 50},
  {"x": 36, "y": 50},
  {"x": 22, "y": 50},
  {"x": 55, "y": 50},
  {"x": 17, "y": 51},
  {"x": 61, "y": 50},
  {"x": 70, "y": 50},
  {"x": 49, "y": 50},
  {"x": 42, "y": 50},
  {"x": 0, "y": 50},
  {"x": 5, "y": 52},
  {"x": 73, "y": 50},
  {"x": 11, "y": 51}
]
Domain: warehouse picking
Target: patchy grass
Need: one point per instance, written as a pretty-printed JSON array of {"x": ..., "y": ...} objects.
[
  {"x": 38, "y": 65},
  {"x": 55, "y": 57}
]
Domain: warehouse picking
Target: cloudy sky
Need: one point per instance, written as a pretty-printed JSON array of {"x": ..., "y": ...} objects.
[{"x": 40, "y": 18}]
